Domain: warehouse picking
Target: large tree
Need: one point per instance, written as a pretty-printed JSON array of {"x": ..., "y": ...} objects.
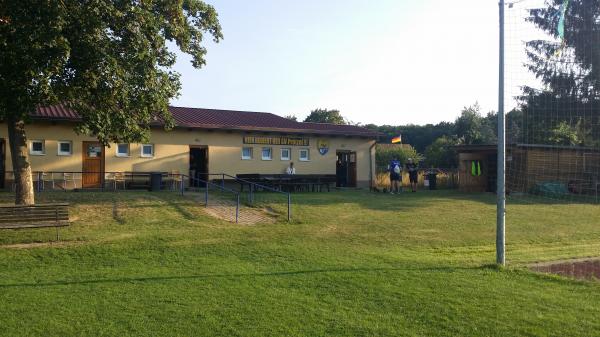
[{"x": 106, "y": 59}]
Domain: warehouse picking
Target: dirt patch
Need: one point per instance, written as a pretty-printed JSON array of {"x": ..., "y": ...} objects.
[{"x": 585, "y": 269}]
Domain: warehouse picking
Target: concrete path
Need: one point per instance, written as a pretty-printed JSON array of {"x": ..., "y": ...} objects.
[{"x": 224, "y": 209}]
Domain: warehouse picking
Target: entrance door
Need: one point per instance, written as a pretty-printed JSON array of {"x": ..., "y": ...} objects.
[
  {"x": 198, "y": 165},
  {"x": 346, "y": 169},
  {"x": 93, "y": 165},
  {"x": 2, "y": 162}
]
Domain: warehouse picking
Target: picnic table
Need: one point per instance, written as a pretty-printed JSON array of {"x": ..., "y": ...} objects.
[{"x": 290, "y": 182}]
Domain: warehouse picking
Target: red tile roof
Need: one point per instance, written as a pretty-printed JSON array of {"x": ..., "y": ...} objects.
[
  {"x": 227, "y": 120},
  {"x": 58, "y": 111}
]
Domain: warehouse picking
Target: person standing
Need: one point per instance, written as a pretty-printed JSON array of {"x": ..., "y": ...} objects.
[
  {"x": 291, "y": 169},
  {"x": 413, "y": 174},
  {"x": 395, "y": 169}
]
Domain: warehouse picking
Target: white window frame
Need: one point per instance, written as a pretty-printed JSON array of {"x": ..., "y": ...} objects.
[
  {"x": 251, "y": 153},
  {"x": 120, "y": 154},
  {"x": 37, "y": 153},
  {"x": 59, "y": 152},
  {"x": 144, "y": 155},
  {"x": 289, "y": 156},
  {"x": 262, "y": 153},
  {"x": 307, "y": 154}
]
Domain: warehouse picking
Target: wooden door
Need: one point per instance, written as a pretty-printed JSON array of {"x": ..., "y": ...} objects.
[{"x": 93, "y": 165}]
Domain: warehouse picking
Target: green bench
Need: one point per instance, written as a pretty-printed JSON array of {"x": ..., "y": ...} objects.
[{"x": 34, "y": 216}]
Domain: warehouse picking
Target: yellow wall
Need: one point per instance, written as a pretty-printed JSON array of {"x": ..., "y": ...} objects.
[{"x": 171, "y": 153}]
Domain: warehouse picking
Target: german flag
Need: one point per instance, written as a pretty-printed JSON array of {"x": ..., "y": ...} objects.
[{"x": 397, "y": 139}]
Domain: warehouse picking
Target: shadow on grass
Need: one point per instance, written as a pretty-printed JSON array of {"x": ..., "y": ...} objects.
[
  {"x": 115, "y": 213},
  {"x": 421, "y": 199},
  {"x": 246, "y": 275},
  {"x": 176, "y": 206},
  {"x": 386, "y": 202},
  {"x": 362, "y": 198}
]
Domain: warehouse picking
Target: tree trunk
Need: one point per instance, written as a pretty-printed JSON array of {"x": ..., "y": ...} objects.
[{"x": 20, "y": 162}]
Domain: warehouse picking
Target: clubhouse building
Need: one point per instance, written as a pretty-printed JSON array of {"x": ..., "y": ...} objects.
[{"x": 204, "y": 141}]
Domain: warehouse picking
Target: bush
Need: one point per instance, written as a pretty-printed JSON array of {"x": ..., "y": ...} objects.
[
  {"x": 386, "y": 152},
  {"x": 441, "y": 153}
]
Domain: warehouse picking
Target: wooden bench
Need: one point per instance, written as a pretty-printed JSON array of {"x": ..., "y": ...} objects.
[
  {"x": 34, "y": 216},
  {"x": 326, "y": 181}
]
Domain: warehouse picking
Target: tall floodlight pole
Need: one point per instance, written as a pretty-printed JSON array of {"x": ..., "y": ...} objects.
[{"x": 501, "y": 188}]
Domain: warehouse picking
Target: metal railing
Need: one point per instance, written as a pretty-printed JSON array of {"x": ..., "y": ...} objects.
[
  {"x": 74, "y": 180},
  {"x": 115, "y": 180},
  {"x": 254, "y": 190},
  {"x": 208, "y": 185}
]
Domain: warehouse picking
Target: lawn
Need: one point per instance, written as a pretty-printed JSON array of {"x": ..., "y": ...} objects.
[{"x": 350, "y": 264}]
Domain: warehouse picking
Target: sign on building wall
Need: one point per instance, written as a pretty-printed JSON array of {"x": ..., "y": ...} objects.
[
  {"x": 323, "y": 146},
  {"x": 292, "y": 141}
]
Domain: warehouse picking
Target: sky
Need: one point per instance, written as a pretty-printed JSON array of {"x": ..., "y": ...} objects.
[{"x": 383, "y": 62}]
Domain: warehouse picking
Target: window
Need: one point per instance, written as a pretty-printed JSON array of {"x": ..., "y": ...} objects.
[
  {"x": 147, "y": 150},
  {"x": 65, "y": 148},
  {"x": 304, "y": 155},
  {"x": 246, "y": 153},
  {"x": 267, "y": 153},
  {"x": 122, "y": 150},
  {"x": 286, "y": 154},
  {"x": 37, "y": 147}
]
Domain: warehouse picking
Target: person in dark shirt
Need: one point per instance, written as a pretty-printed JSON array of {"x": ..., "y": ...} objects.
[
  {"x": 395, "y": 169},
  {"x": 413, "y": 175}
]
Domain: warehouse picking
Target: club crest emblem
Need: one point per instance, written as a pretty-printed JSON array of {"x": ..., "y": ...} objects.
[{"x": 323, "y": 146}]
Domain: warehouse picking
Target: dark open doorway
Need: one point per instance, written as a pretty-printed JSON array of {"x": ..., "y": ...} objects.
[
  {"x": 198, "y": 165},
  {"x": 346, "y": 169},
  {"x": 2, "y": 162}
]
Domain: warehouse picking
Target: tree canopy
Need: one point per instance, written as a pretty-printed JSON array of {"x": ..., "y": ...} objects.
[
  {"x": 326, "y": 116},
  {"x": 564, "y": 110},
  {"x": 108, "y": 60}
]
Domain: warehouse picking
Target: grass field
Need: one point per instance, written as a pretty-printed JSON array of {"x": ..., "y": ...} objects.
[{"x": 350, "y": 264}]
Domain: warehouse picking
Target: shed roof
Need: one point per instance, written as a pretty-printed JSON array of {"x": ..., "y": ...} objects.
[{"x": 215, "y": 119}]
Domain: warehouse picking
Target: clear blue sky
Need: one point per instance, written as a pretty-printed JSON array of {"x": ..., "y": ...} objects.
[{"x": 384, "y": 61}]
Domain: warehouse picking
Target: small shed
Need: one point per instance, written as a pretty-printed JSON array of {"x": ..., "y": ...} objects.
[
  {"x": 477, "y": 167},
  {"x": 575, "y": 167},
  {"x": 528, "y": 166}
]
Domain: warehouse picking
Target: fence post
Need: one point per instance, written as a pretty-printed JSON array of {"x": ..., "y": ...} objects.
[
  {"x": 40, "y": 184},
  {"x": 237, "y": 209},
  {"x": 206, "y": 195},
  {"x": 181, "y": 181},
  {"x": 289, "y": 201},
  {"x": 223, "y": 180},
  {"x": 251, "y": 194}
]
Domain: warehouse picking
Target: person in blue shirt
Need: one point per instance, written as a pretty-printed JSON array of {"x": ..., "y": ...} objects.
[{"x": 395, "y": 169}]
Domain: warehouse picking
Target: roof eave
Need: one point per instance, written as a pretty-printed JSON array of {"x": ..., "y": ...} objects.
[{"x": 240, "y": 128}]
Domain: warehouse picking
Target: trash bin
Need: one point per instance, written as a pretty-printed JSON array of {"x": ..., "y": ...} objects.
[
  {"x": 155, "y": 181},
  {"x": 432, "y": 177}
]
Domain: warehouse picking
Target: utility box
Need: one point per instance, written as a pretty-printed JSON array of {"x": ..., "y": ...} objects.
[
  {"x": 432, "y": 177},
  {"x": 155, "y": 181}
]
